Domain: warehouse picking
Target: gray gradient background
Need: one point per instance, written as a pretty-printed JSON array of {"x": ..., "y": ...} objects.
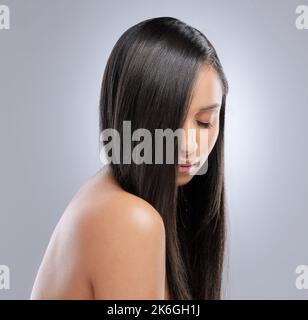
[{"x": 51, "y": 64}]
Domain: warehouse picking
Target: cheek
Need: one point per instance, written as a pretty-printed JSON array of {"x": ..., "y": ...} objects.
[
  {"x": 207, "y": 139},
  {"x": 213, "y": 136}
]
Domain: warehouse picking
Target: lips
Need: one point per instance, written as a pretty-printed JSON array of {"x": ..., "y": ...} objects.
[
  {"x": 185, "y": 167},
  {"x": 189, "y": 164}
]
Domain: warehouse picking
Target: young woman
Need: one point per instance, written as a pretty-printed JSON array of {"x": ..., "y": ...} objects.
[{"x": 140, "y": 230}]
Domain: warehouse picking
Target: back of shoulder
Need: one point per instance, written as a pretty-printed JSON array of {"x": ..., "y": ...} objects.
[
  {"x": 111, "y": 241},
  {"x": 125, "y": 248},
  {"x": 120, "y": 209},
  {"x": 125, "y": 209}
]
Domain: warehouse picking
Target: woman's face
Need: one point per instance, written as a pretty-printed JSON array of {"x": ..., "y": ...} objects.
[{"x": 201, "y": 125}]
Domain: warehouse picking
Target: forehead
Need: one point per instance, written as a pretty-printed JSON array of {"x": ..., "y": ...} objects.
[{"x": 207, "y": 89}]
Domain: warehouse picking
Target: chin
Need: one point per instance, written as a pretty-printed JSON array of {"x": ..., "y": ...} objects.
[{"x": 183, "y": 178}]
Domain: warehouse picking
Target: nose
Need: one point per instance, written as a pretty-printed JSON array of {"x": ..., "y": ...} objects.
[{"x": 188, "y": 142}]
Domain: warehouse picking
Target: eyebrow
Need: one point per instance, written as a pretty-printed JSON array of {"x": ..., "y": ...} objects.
[{"x": 210, "y": 107}]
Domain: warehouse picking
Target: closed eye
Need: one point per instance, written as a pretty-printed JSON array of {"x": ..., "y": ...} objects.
[{"x": 206, "y": 125}]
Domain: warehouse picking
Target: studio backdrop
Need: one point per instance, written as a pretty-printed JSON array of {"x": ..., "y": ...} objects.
[{"x": 52, "y": 58}]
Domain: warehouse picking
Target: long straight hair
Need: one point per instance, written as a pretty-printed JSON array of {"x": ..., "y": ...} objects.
[{"x": 148, "y": 80}]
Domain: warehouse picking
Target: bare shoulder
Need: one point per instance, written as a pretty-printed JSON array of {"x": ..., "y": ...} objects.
[
  {"x": 102, "y": 204},
  {"x": 109, "y": 243},
  {"x": 125, "y": 240}
]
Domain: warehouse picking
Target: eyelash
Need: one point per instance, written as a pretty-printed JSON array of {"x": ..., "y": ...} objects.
[{"x": 206, "y": 125}]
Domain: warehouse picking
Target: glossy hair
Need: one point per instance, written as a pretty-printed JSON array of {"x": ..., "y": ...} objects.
[{"x": 148, "y": 80}]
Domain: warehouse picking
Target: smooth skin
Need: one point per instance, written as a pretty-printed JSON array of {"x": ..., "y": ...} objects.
[{"x": 110, "y": 244}]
